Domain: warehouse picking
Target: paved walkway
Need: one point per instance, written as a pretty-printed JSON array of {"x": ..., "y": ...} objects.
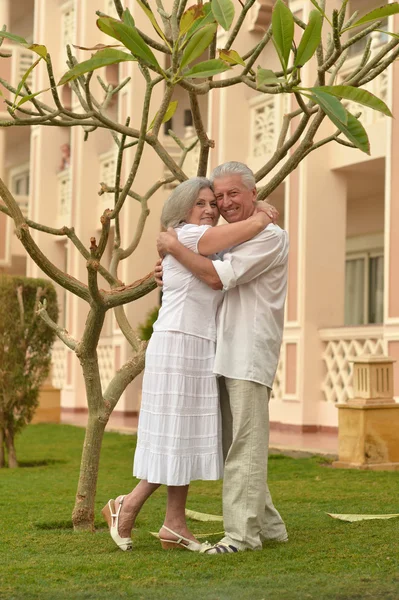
[{"x": 317, "y": 443}]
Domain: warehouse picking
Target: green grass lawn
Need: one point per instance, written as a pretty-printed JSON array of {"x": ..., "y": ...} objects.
[{"x": 41, "y": 558}]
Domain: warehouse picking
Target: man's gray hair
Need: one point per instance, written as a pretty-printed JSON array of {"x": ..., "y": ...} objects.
[
  {"x": 181, "y": 201},
  {"x": 235, "y": 168}
]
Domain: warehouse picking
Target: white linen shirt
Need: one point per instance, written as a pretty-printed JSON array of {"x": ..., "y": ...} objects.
[
  {"x": 251, "y": 318},
  {"x": 188, "y": 305}
]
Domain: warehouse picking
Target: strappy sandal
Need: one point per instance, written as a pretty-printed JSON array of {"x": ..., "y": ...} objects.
[
  {"x": 221, "y": 548},
  {"x": 112, "y": 519},
  {"x": 182, "y": 542}
]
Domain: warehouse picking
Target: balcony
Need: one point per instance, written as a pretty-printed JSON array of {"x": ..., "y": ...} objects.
[{"x": 379, "y": 85}]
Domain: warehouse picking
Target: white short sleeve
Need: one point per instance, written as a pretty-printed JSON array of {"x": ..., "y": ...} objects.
[{"x": 189, "y": 235}]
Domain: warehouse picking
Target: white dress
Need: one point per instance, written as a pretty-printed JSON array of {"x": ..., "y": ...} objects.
[{"x": 179, "y": 430}]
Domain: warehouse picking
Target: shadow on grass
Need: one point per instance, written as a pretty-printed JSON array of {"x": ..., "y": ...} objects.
[
  {"x": 65, "y": 525},
  {"x": 24, "y": 464}
]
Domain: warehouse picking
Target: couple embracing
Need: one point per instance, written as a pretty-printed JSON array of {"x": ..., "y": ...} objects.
[{"x": 210, "y": 364}]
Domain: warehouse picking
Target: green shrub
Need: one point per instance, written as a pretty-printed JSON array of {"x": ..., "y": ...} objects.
[
  {"x": 145, "y": 329},
  {"x": 25, "y": 354}
]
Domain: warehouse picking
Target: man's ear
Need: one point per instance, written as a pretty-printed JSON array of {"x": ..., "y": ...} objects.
[{"x": 254, "y": 195}]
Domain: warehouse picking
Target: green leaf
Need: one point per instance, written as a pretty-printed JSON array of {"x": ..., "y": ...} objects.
[
  {"x": 13, "y": 38},
  {"x": 310, "y": 40},
  {"x": 356, "y": 95},
  {"x": 105, "y": 25},
  {"x": 168, "y": 115},
  {"x": 208, "y": 68},
  {"x": 206, "y": 20},
  {"x": 352, "y": 128},
  {"x": 127, "y": 18},
  {"x": 232, "y": 57},
  {"x": 130, "y": 38},
  {"x": 223, "y": 11},
  {"x": 24, "y": 78},
  {"x": 198, "y": 44},
  {"x": 152, "y": 18},
  {"x": 29, "y": 97},
  {"x": 191, "y": 15},
  {"x": 283, "y": 31},
  {"x": 377, "y": 14},
  {"x": 330, "y": 104},
  {"x": 266, "y": 77},
  {"x": 102, "y": 58},
  {"x": 39, "y": 49}
]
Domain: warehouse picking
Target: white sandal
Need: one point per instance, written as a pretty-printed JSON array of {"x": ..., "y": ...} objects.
[
  {"x": 182, "y": 542},
  {"x": 112, "y": 519}
]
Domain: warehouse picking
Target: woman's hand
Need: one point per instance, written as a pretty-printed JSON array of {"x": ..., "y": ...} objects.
[
  {"x": 269, "y": 209},
  {"x": 165, "y": 241}
]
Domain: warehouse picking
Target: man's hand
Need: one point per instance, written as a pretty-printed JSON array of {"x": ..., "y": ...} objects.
[
  {"x": 269, "y": 209},
  {"x": 158, "y": 273},
  {"x": 165, "y": 241}
]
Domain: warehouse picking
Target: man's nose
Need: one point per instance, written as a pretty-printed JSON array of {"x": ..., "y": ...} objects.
[{"x": 225, "y": 200}]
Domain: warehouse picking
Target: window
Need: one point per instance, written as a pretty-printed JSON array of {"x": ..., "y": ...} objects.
[
  {"x": 364, "y": 288},
  {"x": 20, "y": 182}
]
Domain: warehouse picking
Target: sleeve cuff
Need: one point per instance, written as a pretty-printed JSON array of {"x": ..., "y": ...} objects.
[{"x": 226, "y": 273}]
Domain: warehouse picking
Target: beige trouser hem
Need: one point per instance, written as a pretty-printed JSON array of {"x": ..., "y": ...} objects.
[{"x": 248, "y": 511}]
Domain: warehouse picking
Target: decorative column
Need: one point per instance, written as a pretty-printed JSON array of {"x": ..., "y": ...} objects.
[
  {"x": 369, "y": 422},
  {"x": 391, "y": 280}
]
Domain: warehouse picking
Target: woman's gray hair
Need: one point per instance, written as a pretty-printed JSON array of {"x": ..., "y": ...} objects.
[
  {"x": 181, "y": 201},
  {"x": 235, "y": 168}
]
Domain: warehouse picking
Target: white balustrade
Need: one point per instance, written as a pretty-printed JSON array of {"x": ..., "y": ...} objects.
[
  {"x": 58, "y": 363},
  {"x": 108, "y": 167},
  {"x": 341, "y": 345},
  {"x": 266, "y": 116},
  {"x": 106, "y": 361},
  {"x": 64, "y": 196}
]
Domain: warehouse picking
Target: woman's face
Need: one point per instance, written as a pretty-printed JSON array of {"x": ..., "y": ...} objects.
[{"x": 205, "y": 210}]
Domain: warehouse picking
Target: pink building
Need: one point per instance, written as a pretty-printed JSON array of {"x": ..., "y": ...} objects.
[{"x": 339, "y": 208}]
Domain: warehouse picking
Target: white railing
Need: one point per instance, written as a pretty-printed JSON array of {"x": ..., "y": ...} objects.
[
  {"x": 106, "y": 361},
  {"x": 68, "y": 28},
  {"x": 107, "y": 175},
  {"x": 58, "y": 365},
  {"x": 266, "y": 117},
  {"x": 22, "y": 59},
  {"x": 64, "y": 195},
  {"x": 108, "y": 167},
  {"x": 378, "y": 86},
  {"x": 341, "y": 345}
]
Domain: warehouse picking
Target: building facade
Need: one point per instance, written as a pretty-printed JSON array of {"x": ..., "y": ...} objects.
[{"x": 340, "y": 207}]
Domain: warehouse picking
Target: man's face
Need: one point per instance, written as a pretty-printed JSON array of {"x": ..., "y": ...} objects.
[{"x": 235, "y": 201}]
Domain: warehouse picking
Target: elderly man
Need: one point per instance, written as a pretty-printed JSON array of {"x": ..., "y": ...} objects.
[{"x": 250, "y": 326}]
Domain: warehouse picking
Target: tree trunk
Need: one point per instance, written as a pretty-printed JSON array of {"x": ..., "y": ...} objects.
[
  {"x": 12, "y": 455},
  {"x": 83, "y": 512},
  {"x": 2, "y": 453}
]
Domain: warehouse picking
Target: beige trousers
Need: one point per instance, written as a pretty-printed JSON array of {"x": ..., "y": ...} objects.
[{"x": 248, "y": 512}]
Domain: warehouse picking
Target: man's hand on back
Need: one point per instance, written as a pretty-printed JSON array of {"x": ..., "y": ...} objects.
[
  {"x": 158, "y": 273},
  {"x": 165, "y": 241}
]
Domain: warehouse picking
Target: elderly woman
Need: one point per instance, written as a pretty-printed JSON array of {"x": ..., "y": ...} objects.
[{"x": 179, "y": 431}]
